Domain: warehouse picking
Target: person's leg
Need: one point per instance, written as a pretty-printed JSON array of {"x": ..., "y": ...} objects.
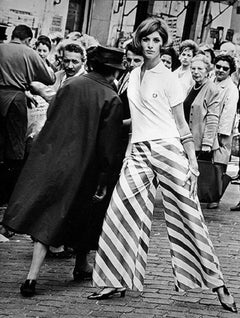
[
  {"x": 39, "y": 252},
  {"x": 15, "y": 127},
  {"x": 220, "y": 170},
  {"x": 123, "y": 245},
  {"x": 194, "y": 262},
  {"x": 82, "y": 270}
]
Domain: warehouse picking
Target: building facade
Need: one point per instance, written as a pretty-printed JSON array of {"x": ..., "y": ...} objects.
[{"x": 113, "y": 21}]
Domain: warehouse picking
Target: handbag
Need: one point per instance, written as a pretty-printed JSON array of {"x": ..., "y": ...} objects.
[
  {"x": 208, "y": 182},
  {"x": 235, "y": 150}
]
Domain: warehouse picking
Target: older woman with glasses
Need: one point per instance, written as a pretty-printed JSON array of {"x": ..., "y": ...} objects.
[{"x": 224, "y": 67}]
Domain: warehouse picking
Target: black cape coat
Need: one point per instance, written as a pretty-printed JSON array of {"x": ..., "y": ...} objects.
[{"x": 74, "y": 152}]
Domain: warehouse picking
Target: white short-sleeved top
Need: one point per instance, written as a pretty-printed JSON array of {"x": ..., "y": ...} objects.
[{"x": 151, "y": 102}]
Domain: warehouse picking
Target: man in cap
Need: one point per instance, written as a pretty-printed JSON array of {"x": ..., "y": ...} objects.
[{"x": 70, "y": 166}]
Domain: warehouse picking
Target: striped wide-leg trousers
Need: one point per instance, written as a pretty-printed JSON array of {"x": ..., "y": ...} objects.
[{"x": 123, "y": 245}]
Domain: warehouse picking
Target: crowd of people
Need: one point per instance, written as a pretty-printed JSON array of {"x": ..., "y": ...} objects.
[{"x": 118, "y": 124}]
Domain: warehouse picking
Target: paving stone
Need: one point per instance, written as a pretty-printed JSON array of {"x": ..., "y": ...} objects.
[{"x": 59, "y": 296}]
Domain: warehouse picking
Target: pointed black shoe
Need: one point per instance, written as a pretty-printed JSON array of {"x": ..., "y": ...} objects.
[
  {"x": 230, "y": 307},
  {"x": 100, "y": 296},
  {"x": 27, "y": 289}
]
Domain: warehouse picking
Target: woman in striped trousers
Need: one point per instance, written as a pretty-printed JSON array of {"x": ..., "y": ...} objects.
[{"x": 162, "y": 155}]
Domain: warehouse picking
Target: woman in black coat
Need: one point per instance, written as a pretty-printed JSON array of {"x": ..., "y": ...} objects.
[{"x": 70, "y": 166}]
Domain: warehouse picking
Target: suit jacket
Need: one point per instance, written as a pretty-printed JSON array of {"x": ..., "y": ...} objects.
[{"x": 228, "y": 108}]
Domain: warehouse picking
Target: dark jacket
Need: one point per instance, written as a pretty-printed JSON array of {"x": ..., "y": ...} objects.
[{"x": 74, "y": 152}]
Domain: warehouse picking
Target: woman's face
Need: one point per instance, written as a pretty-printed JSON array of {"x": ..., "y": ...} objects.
[
  {"x": 167, "y": 60},
  {"x": 199, "y": 71},
  {"x": 185, "y": 57},
  {"x": 222, "y": 70},
  {"x": 43, "y": 51},
  {"x": 151, "y": 45}
]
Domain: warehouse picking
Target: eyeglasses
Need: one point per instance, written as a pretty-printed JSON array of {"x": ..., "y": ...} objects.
[{"x": 225, "y": 68}]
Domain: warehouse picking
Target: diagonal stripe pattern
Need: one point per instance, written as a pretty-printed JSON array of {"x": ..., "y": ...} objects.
[{"x": 123, "y": 245}]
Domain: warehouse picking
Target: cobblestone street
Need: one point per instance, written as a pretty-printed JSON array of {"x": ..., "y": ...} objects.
[{"x": 59, "y": 296}]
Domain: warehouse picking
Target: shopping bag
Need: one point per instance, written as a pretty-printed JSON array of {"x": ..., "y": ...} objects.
[
  {"x": 209, "y": 182},
  {"x": 235, "y": 150}
]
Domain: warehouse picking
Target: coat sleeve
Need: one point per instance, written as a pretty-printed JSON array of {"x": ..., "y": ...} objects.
[
  {"x": 212, "y": 104},
  {"x": 109, "y": 137},
  {"x": 39, "y": 70},
  {"x": 229, "y": 108}
]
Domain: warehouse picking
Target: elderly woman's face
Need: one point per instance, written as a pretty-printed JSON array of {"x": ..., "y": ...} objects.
[{"x": 199, "y": 71}]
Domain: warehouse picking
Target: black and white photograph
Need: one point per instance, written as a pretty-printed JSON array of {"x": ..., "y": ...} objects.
[{"x": 119, "y": 158}]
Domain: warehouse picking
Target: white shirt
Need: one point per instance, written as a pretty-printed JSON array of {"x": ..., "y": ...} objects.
[
  {"x": 151, "y": 101},
  {"x": 186, "y": 79}
]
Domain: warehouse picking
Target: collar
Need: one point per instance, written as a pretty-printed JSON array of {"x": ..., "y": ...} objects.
[
  {"x": 16, "y": 41},
  {"x": 223, "y": 83},
  {"x": 159, "y": 68},
  {"x": 100, "y": 79},
  {"x": 80, "y": 72}
]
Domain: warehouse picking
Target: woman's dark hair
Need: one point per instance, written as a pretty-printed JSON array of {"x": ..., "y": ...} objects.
[
  {"x": 206, "y": 48},
  {"x": 43, "y": 39},
  {"x": 149, "y": 26},
  {"x": 227, "y": 58},
  {"x": 190, "y": 45},
  {"x": 173, "y": 53},
  {"x": 22, "y": 32}
]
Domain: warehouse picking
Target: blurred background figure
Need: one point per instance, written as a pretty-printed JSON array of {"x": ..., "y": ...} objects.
[
  {"x": 170, "y": 58},
  {"x": 43, "y": 47},
  {"x": 55, "y": 38},
  {"x": 228, "y": 48},
  {"x": 209, "y": 53},
  {"x": 187, "y": 51},
  {"x": 133, "y": 59}
]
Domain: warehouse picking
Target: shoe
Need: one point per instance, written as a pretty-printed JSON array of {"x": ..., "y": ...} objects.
[
  {"x": 236, "y": 207},
  {"x": 237, "y": 177},
  {"x": 235, "y": 181},
  {"x": 79, "y": 275},
  {"x": 99, "y": 296},
  {"x": 212, "y": 205},
  {"x": 230, "y": 307},
  {"x": 27, "y": 289}
]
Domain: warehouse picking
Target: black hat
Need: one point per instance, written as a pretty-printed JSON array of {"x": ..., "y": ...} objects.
[{"x": 109, "y": 56}]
